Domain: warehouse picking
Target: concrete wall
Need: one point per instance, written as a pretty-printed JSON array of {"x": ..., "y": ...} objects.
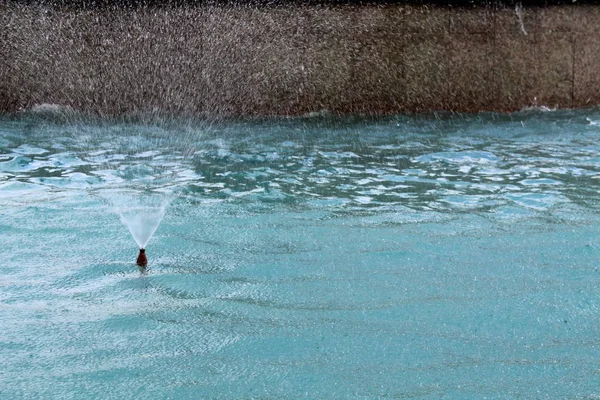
[{"x": 295, "y": 60}]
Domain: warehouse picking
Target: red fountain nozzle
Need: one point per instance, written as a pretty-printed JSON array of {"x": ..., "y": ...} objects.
[{"x": 142, "y": 260}]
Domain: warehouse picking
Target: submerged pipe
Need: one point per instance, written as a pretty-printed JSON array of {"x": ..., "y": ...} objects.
[{"x": 142, "y": 260}]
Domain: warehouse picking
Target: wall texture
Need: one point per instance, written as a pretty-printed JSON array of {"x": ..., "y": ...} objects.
[{"x": 292, "y": 60}]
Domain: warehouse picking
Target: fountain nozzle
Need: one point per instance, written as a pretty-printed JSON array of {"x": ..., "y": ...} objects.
[{"x": 142, "y": 260}]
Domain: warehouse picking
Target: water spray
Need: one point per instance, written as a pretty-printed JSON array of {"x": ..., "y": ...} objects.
[{"x": 142, "y": 260}]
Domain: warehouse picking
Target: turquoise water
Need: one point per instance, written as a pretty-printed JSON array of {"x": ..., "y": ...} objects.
[{"x": 433, "y": 257}]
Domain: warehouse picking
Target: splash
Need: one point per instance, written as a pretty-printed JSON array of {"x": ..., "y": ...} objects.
[{"x": 519, "y": 12}]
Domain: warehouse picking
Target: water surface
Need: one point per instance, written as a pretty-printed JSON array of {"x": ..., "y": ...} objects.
[{"x": 436, "y": 256}]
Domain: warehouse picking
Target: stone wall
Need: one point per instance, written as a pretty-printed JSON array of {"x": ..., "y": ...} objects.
[{"x": 228, "y": 60}]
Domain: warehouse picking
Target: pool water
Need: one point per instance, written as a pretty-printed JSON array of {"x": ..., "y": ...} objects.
[{"x": 435, "y": 256}]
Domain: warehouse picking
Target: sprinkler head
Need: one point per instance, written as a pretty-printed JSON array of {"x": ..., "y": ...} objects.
[{"x": 142, "y": 261}]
